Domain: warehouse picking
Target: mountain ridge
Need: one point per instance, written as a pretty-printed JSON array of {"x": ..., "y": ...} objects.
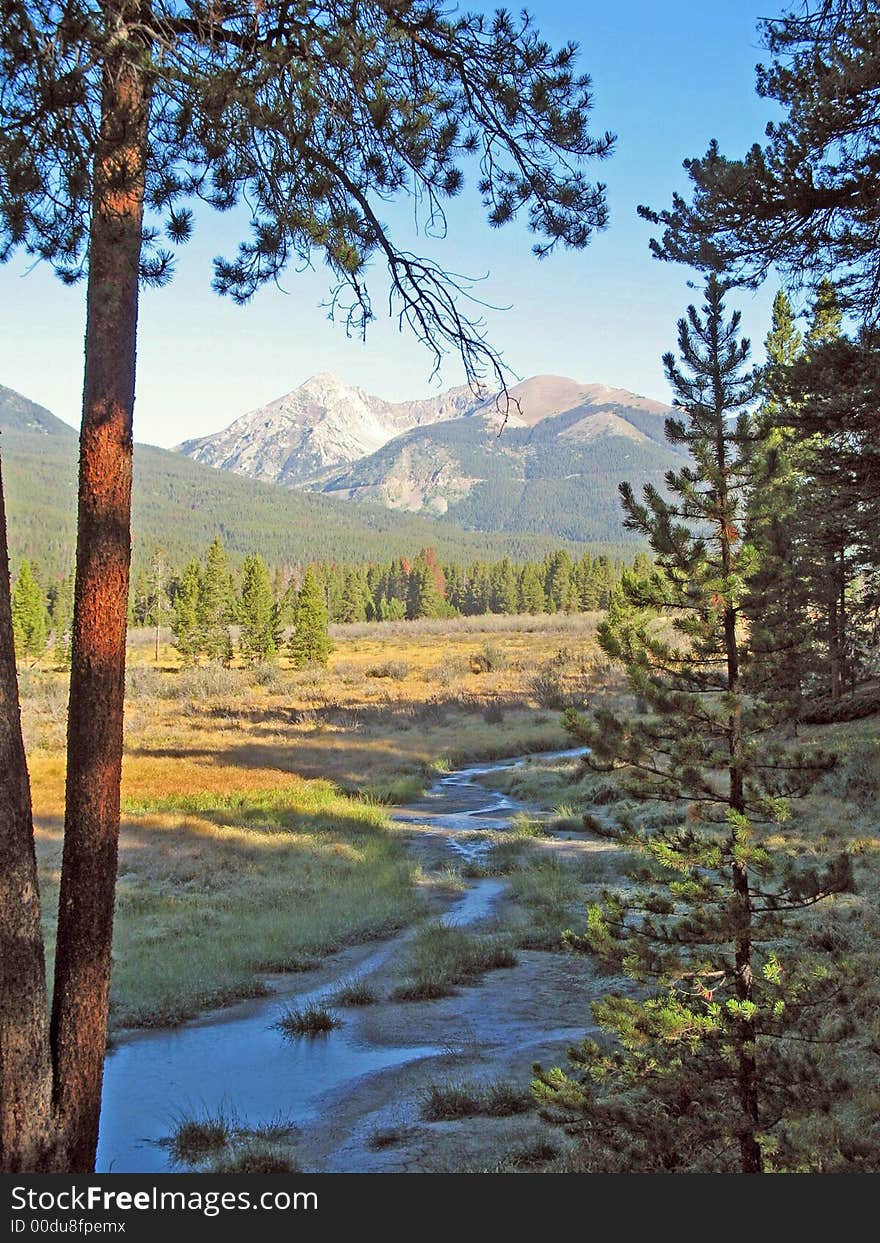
[
  {"x": 181, "y": 505},
  {"x": 552, "y": 467}
]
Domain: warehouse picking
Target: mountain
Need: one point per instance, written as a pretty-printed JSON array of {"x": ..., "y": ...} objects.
[
  {"x": 323, "y": 423},
  {"x": 20, "y": 414},
  {"x": 180, "y": 505},
  {"x": 553, "y": 468}
]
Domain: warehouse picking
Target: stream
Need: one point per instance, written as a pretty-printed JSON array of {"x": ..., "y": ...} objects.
[{"x": 234, "y": 1060}]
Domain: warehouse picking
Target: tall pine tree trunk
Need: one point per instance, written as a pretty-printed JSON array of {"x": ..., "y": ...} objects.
[
  {"x": 747, "y": 1070},
  {"x": 25, "y": 1065},
  {"x": 97, "y": 679}
]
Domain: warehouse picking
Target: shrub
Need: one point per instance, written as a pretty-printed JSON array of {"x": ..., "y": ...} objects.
[
  {"x": 489, "y": 659},
  {"x": 443, "y": 1102},
  {"x": 397, "y": 670},
  {"x": 547, "y": 686}
]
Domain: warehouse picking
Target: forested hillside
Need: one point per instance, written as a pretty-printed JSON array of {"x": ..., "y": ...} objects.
[{"x": 180, "y": 505}]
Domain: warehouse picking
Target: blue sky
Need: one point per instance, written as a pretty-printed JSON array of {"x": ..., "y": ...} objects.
[{"x": 667, "y": 78}]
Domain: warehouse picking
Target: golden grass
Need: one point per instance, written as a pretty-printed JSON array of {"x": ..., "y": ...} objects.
[{"x": 252, "y": 835}]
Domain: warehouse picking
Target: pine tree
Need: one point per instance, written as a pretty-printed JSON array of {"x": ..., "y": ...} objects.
[
  {"x": 29, "y": 615},
  {"x": 259, "y": 615},
  {"x": 310, "y": 643},
  {"x": 157, "y": 580},
  {"x": 216, "y": 604},
  {"x": 353, "y": 604},
  {"x": 808, "y": 201},
  {"x": 185, "y": 623},
  {"x": 505, "y": 595},
  {"x": 778, "y": 515},
  {"x": 708, "y": 1070},
  {"x": 62, "y": 617},
  {"x": 558, "y": 581},
  {"x": 531, "y": 590},
  {"x": 425, "y": 592}
]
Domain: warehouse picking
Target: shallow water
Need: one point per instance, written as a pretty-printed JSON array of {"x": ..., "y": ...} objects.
[{"x": 236, "y": 1061}]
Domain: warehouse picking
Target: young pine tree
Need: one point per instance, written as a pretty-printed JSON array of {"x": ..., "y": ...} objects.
[
  {"x": 185, "y": 624},
  {"x": 30, "y": 621},
  {"x": 708, "y": 1068},
  {"x": 310, "y": 644},
  {"x": 216, "y": 604},
  {"x": 260, "y": 618}
]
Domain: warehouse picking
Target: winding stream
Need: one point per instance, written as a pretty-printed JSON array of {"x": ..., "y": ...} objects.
[{"x": 234, "y": 1060}]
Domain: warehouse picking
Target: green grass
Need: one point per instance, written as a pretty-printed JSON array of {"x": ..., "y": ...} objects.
[
  {"x": 552, "y": 895},
  {"x": 310, "y": 1020},
  {"x": 195, "y": 1139},
  {"x": 356, "y": 992},
  {"x": 499, "y": 1098},
  {"x": 221, "y": 888},
  {"x": 254, "y": 1157},
  {"x": 395, "y": 792},
  {"x": 442, "y": 957}
]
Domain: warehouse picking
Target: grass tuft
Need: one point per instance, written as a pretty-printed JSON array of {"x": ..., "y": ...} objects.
[
  {"x": 356, "y": 992},
  {"x": 194, "y": 1139},
  {"x": 310, "y": 1020},
  {"x": 441, "y": 957},
  {"x": 254, "y": 1157},
  {"x": 499, "y": 1098}
]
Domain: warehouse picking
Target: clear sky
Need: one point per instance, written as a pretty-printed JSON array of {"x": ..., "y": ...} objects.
[{"x": 667, "y": 78}]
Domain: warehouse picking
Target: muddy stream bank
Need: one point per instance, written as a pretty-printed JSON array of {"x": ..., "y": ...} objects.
[{"x": 339, "y": 1091}]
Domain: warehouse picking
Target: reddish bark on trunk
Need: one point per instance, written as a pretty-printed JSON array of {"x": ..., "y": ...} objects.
[
  {"x": 25, "y": 1066},
  {"x": 97, "y": 676}
]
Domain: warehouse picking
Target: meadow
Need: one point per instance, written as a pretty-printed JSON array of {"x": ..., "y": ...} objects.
[{"x": 256, "y": 834}]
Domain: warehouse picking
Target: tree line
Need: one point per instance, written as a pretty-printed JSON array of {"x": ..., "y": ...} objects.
[{"x": 212, "y": 603}]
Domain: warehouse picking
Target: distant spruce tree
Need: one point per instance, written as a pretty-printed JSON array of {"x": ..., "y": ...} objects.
[
  {"x": 258, "y": 613},
  {"x": 531, "y": 590},
  {"x": 30, "y": 621},
  {"x": 558, "y": 582},
  {"x": 708, "y": 1070},
  {"x": 310, "y": 644},
  {"x": 185, "y": 623},
  {"x": 62, "y": 619},
  {"x": 215, "y": 610},
  {"x": 504, "y": 587},
  {"x": 426, "y": 589},
  {"x": 354, "y": 599}
]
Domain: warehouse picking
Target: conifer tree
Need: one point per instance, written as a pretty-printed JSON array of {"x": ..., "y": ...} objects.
[
  {"x": 425, "y": 592},
  {"x": 707, "y": 1071},
  {"x": 185, "y": 623},
  {"x": 310, "y": 643},
  {"x": 216, "y": 604},
  {"x": 531, "y": 590},
  {"x": 260, "y": 628},
  {"x": 353, "y": 603},
  {"x": 62, "y": 618},
  {"x": 29, "y": 615},
  {"x": 779, "y": 514},
  {"x": 504, "y": 588},
  {"x": 558, "y": 581}
]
